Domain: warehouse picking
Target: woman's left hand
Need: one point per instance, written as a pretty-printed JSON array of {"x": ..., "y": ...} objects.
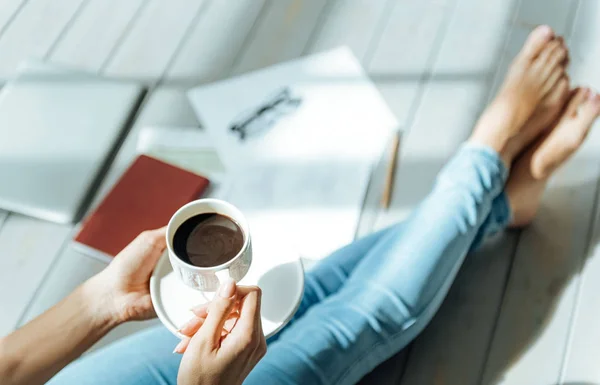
[{"x": 125, "y": 284}]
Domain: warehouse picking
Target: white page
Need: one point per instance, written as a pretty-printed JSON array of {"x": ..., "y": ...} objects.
[
  {"x": 304, "y": 178},
  {"x": 189, "y": 148}
]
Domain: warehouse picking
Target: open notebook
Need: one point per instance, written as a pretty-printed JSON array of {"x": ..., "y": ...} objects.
[{"x": 299, "y": 140}]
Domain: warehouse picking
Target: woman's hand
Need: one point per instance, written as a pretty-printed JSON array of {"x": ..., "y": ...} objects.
[
  {"x": 119, "y": 293},
  {"x": 123, "y": 287},
  {"x": 227, "y": 339}
]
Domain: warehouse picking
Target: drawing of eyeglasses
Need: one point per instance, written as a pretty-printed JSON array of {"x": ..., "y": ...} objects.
[{"x": 258, "y": 121}]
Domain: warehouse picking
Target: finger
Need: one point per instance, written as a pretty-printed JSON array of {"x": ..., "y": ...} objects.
[
  {"x": 182, "y": 346},
  {"x": 231, "y": 322},
  {"x": 149, "y": 246},
  {"x": 249, "y": 320},
  {"x": 200, "y": 310},
  {"x": 192, "y": 326},
  {"x": 218, "y": 311}
]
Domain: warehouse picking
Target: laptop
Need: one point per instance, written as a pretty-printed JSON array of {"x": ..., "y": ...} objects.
[{"x": 59, "y": 132}]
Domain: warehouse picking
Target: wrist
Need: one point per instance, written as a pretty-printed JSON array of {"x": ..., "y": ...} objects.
[{"x": 99, "y": 302}]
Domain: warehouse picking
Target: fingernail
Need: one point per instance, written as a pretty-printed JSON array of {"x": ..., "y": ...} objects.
[
  {"x": 199, "y": 310},
  {"x": 186, "y": 325},
  {"x": 179, "y": 347},
  {"x": 227, "y": 289}
]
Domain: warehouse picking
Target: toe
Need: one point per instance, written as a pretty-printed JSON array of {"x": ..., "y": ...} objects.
[
  {"x": 557, "y": 56},
  {"x": 536, "y": 41},
  {"x": 577, "y": 98},
  {"x": 567, "y": 59},
  {"x": 550, "y": 50},
  {"x": 588, "y": 111},
  {"x": 556, "y": 99},
  {"x": 562, "y": 90},
  {"x": 568, "y": 135},
  {"x": 553, "y": 79}
]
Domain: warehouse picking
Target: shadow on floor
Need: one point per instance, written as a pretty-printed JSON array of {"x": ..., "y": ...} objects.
[{"x": 538, "y": 263}]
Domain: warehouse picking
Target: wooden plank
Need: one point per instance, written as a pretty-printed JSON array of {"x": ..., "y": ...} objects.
[
  {"x": 3, "y": 216},
  {"x": 405, "y": 53},
  {"x": 556, "y": 13},
  {"x": 148, "y": 48},
  {"x": 66, "y": 274},
  {"x": 448, "y": 109},
  {"x": 453, "y": 348},
  {"x": 353, "y": 23},
  {"x": 422, "y": 50},
  {"x": 28, "y": 247},
  {"x": 214, "y": 43},
  {"x": 389, "y": 74},
  {"x": 389, "y": 372},
  {"x": 8, "y": 10},
  {"x": 37, "y": 26},
  {"x": 533, "y": 326},
  {"x": 88, "y": 43},
  {"x": 282, "y": 33},
  {"x": 581, "y": 364}
]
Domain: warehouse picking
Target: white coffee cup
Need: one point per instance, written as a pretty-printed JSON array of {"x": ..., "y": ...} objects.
[{"x": 209, "y": 278}]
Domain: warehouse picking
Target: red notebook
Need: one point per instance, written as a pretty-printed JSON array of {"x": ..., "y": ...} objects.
[{"x": 145, "y": 197}]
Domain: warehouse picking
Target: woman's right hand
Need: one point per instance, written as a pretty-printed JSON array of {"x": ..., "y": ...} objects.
[{"x": 227, "y": 339}]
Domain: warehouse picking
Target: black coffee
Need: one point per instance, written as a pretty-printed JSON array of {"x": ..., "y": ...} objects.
[{"x": 208, "y": 240}]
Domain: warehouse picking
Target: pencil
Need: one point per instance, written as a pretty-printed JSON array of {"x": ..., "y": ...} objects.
[{"x": 391, "y": 170}]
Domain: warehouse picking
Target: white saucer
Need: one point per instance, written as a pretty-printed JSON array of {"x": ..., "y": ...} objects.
[{"x": 280, "y": 276}]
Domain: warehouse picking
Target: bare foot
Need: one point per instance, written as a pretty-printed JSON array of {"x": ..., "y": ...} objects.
[
  {"x": 532, "y": 170},
  {"x": 534, "y": 73},
  {"x": 543, "y": 118}
]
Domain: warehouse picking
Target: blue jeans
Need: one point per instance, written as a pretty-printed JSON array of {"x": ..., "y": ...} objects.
[{"x": 362, "y": 304}]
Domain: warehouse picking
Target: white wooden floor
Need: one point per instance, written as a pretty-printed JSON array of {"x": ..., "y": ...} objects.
[{"x": 525, "y": 310}]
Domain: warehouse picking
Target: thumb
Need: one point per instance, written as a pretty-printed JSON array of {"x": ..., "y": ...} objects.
[{"x": 218, "y": 311}]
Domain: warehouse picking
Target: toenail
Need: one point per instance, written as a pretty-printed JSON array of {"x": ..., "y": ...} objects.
[
  {"x": 545, "y": 30},
  {"x": 591, "y": 95}
]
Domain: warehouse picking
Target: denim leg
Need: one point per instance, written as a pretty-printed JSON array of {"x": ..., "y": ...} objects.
[
  {"x": 397, "y": 286},
  {"x": 329, "y": 274},
  {"x": 144, "y": 358}
]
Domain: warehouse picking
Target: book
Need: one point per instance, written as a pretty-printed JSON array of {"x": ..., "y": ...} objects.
[
  {"x": 145, "y": 197},
  {"x": 189, "y": 148}
]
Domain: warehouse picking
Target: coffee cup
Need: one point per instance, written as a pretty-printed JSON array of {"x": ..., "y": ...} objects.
[{"x": 207, "y": 277}]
